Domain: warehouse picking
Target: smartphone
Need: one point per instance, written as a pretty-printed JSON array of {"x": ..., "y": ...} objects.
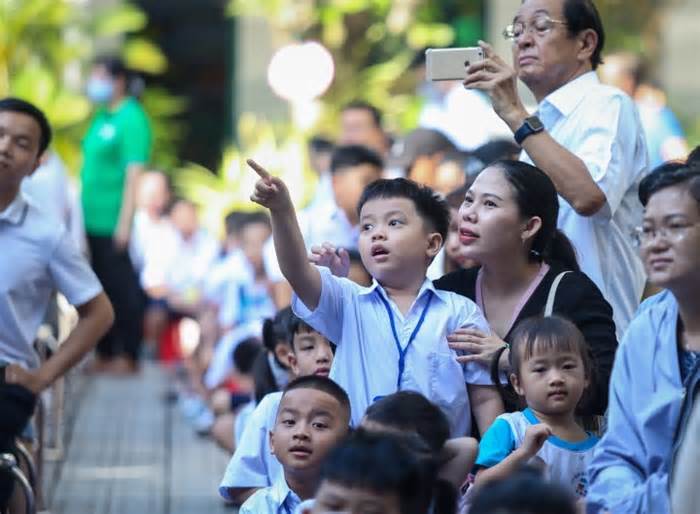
[{"x": 450, "y": 63}]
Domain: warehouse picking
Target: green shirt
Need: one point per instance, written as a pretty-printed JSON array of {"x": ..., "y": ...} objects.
[{"x": 114, "y": 140}]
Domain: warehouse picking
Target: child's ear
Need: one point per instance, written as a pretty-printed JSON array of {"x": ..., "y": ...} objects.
[
  {"x": 282, "y": 352},
  {"x": 434, "y": 244},
  {"x": 292, "y": 363},
  {"x": 515, "y": 381},
  {"x": 271, "y": 435}
]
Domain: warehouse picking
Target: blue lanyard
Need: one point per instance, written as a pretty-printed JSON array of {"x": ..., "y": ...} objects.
[
  {"x": 286, "y": 508},
  {"x": 404, "y": 351}
]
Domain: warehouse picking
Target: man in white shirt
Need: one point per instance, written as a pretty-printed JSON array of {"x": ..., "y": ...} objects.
[
  {"x": 587, "y": 137},
  {"x": 38, "y": 256},
  {"x": 336, "y": 221}
]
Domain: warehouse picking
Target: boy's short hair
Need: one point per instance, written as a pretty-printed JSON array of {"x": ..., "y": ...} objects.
[
  {"x": 383, "y": 463},
  {"x": 256, "y": 217},
  {"x": 234, "y": 222},
  {"x": 410, "y": 411},
  {"x": 22, "y": 106},
  {"x": 348, "y": 156},
  {"x": 321, "y": 144},
  {"x": 524, "y": 492},
  {"x": 430, "y": 207},
  {"x": 323, "y": 384},
  {"x": 361, "y": 105}
]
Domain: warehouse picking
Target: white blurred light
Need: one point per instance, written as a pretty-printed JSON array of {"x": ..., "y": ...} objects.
[{"x": 301, "y": 72}]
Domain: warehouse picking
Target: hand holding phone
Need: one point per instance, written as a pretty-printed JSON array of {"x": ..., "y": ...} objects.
[{"x": 451, "y": 63}]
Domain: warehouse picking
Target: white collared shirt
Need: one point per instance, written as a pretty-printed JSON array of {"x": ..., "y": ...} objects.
[
  {"x": 276, "y": 499},
  {"x": 326, "y": 223},
  {"x": 601, "y": 126},
  {"x": 253, "y": 464},
  {"x": 37, "y": 257},
  {"x": 366, "y": 363}
]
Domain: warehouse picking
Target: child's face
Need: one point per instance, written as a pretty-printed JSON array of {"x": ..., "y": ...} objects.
[
  {"x": 311, "y": 355},
  {"x": 395, "y": 244},
  {"x": 453, "y": 247},
  {"x": 552, "y": 382},
  {"x": 310, "y": 423},
  {"x": 19, "y": 147},
  {"x": 252, "y": 241},
  {"x": 335, "y": 497},
  {"x": 348, "y": 185}
]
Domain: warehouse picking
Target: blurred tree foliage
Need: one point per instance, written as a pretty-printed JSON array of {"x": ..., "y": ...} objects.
[
  {"x": 46, "y": 46},
  {"x": 373, "y": 43}
]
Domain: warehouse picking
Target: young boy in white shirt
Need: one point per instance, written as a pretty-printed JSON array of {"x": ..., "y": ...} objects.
[
  {"x": 313, "y": 418},
  {"x": 37, "y": 256},
  {"x": 253, "y": 466},
  {"x": 392, "y": 335}
]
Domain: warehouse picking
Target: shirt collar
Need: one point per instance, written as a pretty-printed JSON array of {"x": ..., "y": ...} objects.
[
  {"x": 427, "y": 286},
  {"x": 567, "y": 97},
  {"x": 14, "y": 213},
  {"x": 281, "y": 493}
]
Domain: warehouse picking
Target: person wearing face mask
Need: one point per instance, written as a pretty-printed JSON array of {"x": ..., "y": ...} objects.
[{"x": 116, "y": 149}]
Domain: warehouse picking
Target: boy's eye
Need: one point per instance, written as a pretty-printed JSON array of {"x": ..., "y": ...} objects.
[
  {"x": 366, "y": 227},
  {"x": 307, "y": 348},
  {"x": 288, "y": 422},
  {"x": 394, "y": 223},
  {"x": 538, "y": 370},
  {"x": 320, "y": 425}
]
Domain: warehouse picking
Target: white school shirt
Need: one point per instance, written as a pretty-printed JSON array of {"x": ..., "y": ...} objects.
[
  {"x": 600, "y": 125},
  {"x": 327, "y": 223},
  {"x": 276, "y": 499},
  {"x": 253, "y": 464},
  {"x": 566, "y": 463},
  {"x": 366, "y": 362},
  {"x": 37, "y": 257}
]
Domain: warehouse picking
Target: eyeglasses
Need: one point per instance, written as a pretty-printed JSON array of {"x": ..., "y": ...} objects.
[
  {"x": 540, "y": 25},
  {"x": 673, "y": 233}
]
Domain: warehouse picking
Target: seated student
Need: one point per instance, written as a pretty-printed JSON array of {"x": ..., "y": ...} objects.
[
  {"x": 382, "y": 473},
  {"x": 392, "y": 335},
  {"x": 336, "y": 220},
  {"x": 550, "y": 370},
  {"x": 252, "y": 465},
  {"x": 411, "y": 412},
  {"x": 523, "y": 492},
  {"x": 313, "y": 417},
  {"x": 37, "y": 257}
]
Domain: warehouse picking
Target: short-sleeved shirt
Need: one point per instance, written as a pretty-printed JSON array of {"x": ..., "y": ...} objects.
[
  {"x": 566, "y": 463},
  {"x": 366, "y": 364},
  {"x": 253, "y": 464},
  {"x": 601, "y": 126},
  {"x": 37, "y": 257},
  {"x": 114, "y": 140},
  {"x": 276, "y": 499}
]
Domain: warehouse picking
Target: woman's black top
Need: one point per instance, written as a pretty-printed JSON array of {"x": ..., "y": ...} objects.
[{"x": 577, "y": 299}]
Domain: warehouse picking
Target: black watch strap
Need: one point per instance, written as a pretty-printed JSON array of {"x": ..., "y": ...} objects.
[{"x": 531, "y": 125}]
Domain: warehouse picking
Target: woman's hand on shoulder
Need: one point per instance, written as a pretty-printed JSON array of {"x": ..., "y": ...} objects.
[{"x": 476, "y": 345}]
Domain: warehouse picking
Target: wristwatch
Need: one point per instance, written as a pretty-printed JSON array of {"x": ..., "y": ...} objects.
[{"x": 531, "y": 125}]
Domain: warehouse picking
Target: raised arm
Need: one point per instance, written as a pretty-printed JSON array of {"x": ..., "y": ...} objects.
[
  {"x": 569, "y": 173},
  {"x": 271, "y": 192}
]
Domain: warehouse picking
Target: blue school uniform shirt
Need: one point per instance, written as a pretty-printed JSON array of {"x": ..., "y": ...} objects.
[
  {"x": 566, "y": 463},
  {"x": 366, "y": 364},
  {"x": 276, "y": 499},
  {"x": 631, "y": 465},
  {"x": 253, "y": 464}
]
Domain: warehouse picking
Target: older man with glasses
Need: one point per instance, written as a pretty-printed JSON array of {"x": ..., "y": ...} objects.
[{"x": 586, "y": 136}]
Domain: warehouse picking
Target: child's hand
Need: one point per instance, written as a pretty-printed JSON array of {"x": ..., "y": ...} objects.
[
  {"x": 270, "y": 191},
  {"x": 535, "y": 437},
  {"x": 335, "y": 259}
]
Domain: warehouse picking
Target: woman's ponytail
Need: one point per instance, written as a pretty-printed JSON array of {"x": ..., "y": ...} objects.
[{"x": 561, "y": 251}]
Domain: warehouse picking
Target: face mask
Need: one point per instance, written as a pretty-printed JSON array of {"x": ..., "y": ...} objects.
[{"x": 99, "y": 90}]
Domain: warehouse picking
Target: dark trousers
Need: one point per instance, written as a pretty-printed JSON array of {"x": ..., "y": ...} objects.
[
  {"x": 16, "y": 409},
  {"x": 116, "y": 273}
]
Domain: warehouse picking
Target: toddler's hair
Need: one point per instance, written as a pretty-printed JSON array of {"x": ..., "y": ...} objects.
[
  {"x": 524, "y": 492},
  {"x": 432, "y": 209},
  {"x": 541, "y": 334},
  {"x": 397, "y": 463},
  {"x": 410, "y": 411},
  {"x": 274, "y": 333}
]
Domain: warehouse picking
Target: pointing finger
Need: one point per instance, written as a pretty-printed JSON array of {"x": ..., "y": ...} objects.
[{"x": 262, "y": 172}]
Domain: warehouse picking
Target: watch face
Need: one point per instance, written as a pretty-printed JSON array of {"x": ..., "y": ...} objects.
[{"x": 535, "y": 123}]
